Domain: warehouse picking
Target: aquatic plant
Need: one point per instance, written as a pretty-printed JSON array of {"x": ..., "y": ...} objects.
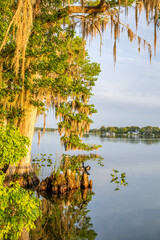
[{"x": 119, "y": 181}]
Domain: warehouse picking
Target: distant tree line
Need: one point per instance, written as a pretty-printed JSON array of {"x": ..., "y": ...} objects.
[
  {"x": 46, "y": 129},
  {"x": 148, "y": 130}
]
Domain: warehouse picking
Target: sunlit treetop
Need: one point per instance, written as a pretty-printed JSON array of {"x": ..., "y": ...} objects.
[
  {"x": 42, "y": 63},
  {"x": 18, "y": 19},
  {"x": 52, "y": 69}
]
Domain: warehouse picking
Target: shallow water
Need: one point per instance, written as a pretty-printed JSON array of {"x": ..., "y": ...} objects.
[{"x": 132, "y": 212}]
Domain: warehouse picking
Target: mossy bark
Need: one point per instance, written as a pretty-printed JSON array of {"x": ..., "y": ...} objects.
[{"x": 24, "y": 168}]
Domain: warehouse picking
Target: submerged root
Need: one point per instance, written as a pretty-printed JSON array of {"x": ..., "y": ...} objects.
[
  {"x": 62, "y": 183},
  {"x": 27, "y": 179}
]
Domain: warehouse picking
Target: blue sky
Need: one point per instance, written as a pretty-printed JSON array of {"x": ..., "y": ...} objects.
[{"x": 129, "y": 94}]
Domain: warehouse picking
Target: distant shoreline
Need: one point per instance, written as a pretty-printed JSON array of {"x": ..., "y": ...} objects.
[
  {"x": 46, "y": 129},
  {"x": 104, "y": 133},
  {"x": 124, "y": 135},
  {"x": 127, "y": 131}
]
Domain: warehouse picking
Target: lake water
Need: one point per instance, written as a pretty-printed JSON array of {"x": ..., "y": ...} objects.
[{"x": 132, "y": 212}]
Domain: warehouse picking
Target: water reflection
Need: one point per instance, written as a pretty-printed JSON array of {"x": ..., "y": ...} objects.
[
  {"x": 66, "y": 217},
  {"x": 132, "y": 212},
  {"x": 131, "y": 139}
]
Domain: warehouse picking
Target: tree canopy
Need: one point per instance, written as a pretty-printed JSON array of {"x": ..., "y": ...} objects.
[{"x": 44, "y": 64}]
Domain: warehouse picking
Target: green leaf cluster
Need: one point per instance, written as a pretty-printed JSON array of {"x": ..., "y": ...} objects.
[
  {"x": 13, "y": 145},
  {"x": 18, "y": 209},
  {"x": 119, "y": 181}
]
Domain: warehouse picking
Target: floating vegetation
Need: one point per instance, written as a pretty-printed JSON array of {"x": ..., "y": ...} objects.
[
  {"x": 75, "y": 162},
  {"x": 118, "y": 179},
  {"x": 42, "y": 160},
  {"x": 65, "y": 161}
]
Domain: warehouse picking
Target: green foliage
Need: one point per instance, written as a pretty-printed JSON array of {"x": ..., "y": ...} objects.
[
  {"x": 74, "y": 142},
  {"x": 6, "y": 8},
  {"x": 13, "y": 145},
  {"x": 103, "y": 129},
  {"x": 95, "y": 131},
  {"x": 55, "y": 67},
  {"x": 18, "y": 209},
  {"x": 119, "y": 181},
  {"x": 74, "y": 162},
  {"x": 11, "y": 114},
  {"x": 39, "y": 104}
]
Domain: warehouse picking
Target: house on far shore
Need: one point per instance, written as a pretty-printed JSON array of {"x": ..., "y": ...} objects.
[
  {"x": 109, "y": 134},
  {"x": 136, "y": 132}
]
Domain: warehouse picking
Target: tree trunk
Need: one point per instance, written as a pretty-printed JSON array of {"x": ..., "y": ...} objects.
[
  {"x": 26, "y": 126},
  {"x": 27, "y": 129}
]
